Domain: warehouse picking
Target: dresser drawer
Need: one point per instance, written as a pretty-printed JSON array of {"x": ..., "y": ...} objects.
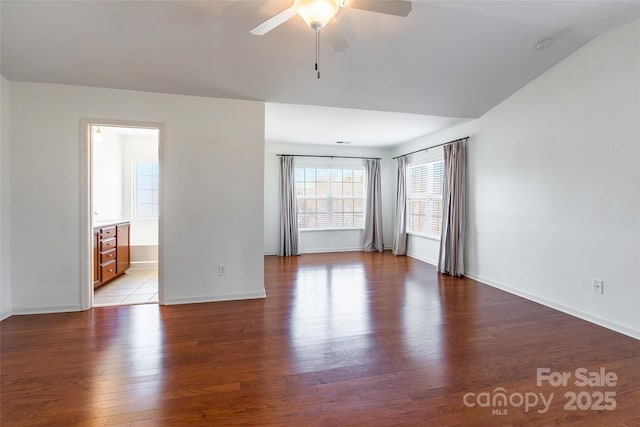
[
  {"x": 105, "y": 257},
  {"x": 108, "y": 271},
  {"x": 107, "y": 232},
  {"x": 106, "y": 245},
  {"x": 110, "y": 252}
]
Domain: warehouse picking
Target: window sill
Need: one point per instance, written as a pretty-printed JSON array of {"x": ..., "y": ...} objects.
[
  {"x": 424, "y": 235},
  {"x": 304, "y": 230}
]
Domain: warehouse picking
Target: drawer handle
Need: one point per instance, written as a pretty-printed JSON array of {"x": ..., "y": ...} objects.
[{"x": 110, "y": 270}]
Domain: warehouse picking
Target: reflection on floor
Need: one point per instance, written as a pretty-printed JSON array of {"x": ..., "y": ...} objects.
[
  {"x": 135, "y": 287},
  {"x": 351, "y": 338}
]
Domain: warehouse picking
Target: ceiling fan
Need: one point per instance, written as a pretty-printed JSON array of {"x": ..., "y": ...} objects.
[{"x": 317, "y": 13}]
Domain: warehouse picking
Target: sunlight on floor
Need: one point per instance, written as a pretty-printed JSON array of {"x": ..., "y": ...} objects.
[{"x": 135, "y": 287}]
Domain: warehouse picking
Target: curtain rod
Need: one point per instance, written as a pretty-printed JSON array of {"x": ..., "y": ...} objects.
[
  {"x": 428, "y": 148},
  {"x": 332, "y": 157}
]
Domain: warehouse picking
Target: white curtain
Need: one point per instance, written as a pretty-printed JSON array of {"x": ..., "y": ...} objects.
[
  {"x": 373, "y": 207},
  {"x": 451, "y": 259},
  {"x": 400, "y": 233},
  {"x": 288, "y": 238}
]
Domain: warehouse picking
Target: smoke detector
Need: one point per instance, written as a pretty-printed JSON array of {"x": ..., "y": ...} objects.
[{"x": 544, "y": 44}]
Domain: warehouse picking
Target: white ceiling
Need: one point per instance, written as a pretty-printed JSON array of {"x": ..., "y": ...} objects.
[
  {"x": 452, "y": 59},
  {"x": 309, "y": 124}
]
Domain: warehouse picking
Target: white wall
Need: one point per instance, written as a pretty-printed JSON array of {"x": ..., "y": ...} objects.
[
  {"x": 106, "y": 181},
  {"x": 5, "y": 255},
  {"x": 554, "y": 185},
  {"x": 212, "y": 156},
  {"x": 331, "y": 240}
]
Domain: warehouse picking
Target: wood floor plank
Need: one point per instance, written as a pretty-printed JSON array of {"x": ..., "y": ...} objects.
[{"x": 341, "y": 339}]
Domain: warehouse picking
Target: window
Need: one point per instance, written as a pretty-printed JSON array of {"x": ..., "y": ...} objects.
[
  {"x": 329, "y": 197},
  {"x": 146, "y": 189},
  {"x": 424, "y": 198}
]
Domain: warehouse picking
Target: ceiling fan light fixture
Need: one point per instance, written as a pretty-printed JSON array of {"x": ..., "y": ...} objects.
[{"x": 317, "y": 13}]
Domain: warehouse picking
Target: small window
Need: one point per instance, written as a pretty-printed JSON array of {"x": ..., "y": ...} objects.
[
  {"x": 329, "y": 198},
  {"x": 424, "y": 198},
  {"x": 146, "y": 189}
]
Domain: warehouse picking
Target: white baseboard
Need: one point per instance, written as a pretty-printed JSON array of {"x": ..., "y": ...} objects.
[
  {"x": 5, "y": 314},
  {"x": 328, "y": 250},
  {"x": 560, "y": 307},
  {"x": 143, "y": 265},
  {"x": 45, "y": 310},
  {"x": 215, "y": 298},
  {"x": 321, "y": 251},
  {"x": 423, "y": 259}
]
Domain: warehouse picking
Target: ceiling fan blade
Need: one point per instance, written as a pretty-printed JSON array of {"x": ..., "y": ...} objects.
[
  {"x": 273, "y": 22},
  {"x": 390, "y": 7},
  {"x": 335, "y": 35}
]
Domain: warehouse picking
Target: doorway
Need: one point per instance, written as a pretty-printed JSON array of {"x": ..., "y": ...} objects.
[{"x": 125, "y": 210}]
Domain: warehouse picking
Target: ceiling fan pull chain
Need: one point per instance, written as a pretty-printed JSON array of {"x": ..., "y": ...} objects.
[{"x": 317, "y": 53}]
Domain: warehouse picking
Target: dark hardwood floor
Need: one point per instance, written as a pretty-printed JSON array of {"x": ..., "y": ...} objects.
[{"x": 341, "y": 339}]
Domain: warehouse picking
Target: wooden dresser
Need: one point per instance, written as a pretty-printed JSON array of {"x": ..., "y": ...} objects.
[{"x": 111, "y": 252}]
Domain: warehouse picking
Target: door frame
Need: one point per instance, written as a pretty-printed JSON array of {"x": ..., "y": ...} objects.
[{"x": 86, "y": 208}]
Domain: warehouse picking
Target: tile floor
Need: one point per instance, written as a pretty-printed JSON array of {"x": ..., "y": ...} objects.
[{"x": 134, "y": 287}]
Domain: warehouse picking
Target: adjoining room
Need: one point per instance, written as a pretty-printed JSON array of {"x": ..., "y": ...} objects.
[{"x": 125, "y": 194}]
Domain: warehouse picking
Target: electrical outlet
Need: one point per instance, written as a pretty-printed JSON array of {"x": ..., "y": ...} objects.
[
  {"x": 598, "y": 286},
  {"x": 222, "y": 270}
]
